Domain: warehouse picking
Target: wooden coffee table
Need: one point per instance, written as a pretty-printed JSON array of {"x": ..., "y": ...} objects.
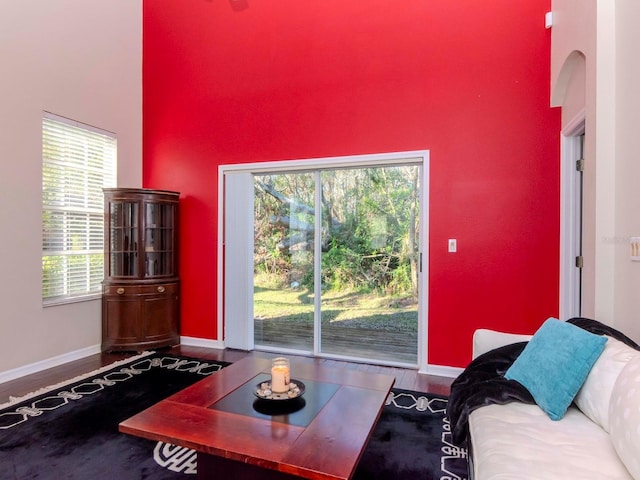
[{"x": 321, "y": 435}]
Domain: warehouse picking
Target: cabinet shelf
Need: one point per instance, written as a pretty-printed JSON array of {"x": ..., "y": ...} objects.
[{"x": 140, "y": 301}]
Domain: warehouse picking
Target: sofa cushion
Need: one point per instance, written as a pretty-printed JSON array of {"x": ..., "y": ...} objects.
[
  {"x": 518, "y": 441},
  {"x": 485, "y": 339},
  {"x": 624, "y": 416},
  {"x": 555, "y": 363},
  {"x": 595, "y": 395}
]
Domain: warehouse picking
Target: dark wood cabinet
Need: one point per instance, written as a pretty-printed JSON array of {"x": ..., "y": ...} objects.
[{"x": 141, "y": 288}]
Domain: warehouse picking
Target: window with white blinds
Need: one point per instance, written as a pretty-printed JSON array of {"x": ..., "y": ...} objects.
[{"x": 77, "y": 162}]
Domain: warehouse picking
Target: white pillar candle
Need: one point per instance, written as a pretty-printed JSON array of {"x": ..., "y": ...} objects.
[{"x": 280, "y": 375}]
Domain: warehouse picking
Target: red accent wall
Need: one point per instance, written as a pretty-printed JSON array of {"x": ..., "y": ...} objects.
[{"x": 233, "y": 81}]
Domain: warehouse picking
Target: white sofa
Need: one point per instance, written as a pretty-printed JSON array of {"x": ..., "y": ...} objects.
[{"x": 598, "y": 437}]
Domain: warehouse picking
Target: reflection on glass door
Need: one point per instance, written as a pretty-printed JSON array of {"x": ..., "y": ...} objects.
[
  {"x": 369, "y": 263},
  {"x": 365, "y": 248},
  {"x": 283, "y": 261}
]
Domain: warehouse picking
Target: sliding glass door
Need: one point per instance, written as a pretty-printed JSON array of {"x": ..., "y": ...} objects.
[
  {"x": 336, "y": 262},
  {"x": 369, "y": 263}
]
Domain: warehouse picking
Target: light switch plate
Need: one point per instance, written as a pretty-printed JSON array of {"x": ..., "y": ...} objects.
[
  {"x": 635, "y": 249},
  {"x": 453, "y": 245}
]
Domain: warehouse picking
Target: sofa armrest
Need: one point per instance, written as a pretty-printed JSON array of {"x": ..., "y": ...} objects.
[{"x": 485, "y": 340}]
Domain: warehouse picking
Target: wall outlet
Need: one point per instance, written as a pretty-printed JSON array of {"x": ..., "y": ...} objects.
[{"x": 453, "y": 245}]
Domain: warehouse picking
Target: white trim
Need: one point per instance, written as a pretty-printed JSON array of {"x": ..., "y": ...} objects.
[
  {"x": 221, "y": 254},
  {"x": 414, "y": 157},
  {"x": 569, "y": 295},
  {"x": 40, "y": 391},
  {"x": 58, "y": 360},
  {"x": 441, "y": 371},
  {"x": 423, "y": 278},
  {"x": 201, "y": 342},
  {"x": 576, "y": 125},
  {"x": 36, "y": 367},
  {"x": 75, "y": 123},
  {"x": 327, "y": 163},
  {"x": 317, "y": 268}
]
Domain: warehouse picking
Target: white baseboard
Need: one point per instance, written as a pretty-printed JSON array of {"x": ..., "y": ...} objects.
[
  {"x": 48, "y": 363},
  {"x": 442, "y": 371},
  {"x": 36, "y": 367},
  {"x": 201, "y": 342}
]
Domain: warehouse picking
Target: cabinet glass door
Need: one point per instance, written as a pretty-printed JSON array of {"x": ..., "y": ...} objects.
[
  {"x": 159, "y": 225},
  {"x": 124, "y": 239}
]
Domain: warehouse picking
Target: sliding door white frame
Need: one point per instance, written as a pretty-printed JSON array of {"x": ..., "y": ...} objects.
[{"x": 235, "y": 239}]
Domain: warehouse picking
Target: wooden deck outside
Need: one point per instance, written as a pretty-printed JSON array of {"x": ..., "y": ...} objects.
[{"x": 365, "y": 343}]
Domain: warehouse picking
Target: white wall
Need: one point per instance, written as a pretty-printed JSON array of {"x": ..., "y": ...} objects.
[
  {"x": 605, "y": 32},
  {"x": 83, "y": 60},
  {"x": 572, "y": 38},
  {"x": 627, "y": 193}
]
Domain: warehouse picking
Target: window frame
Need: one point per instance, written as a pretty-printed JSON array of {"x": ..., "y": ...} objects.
[{"x": 78, "y": 161}]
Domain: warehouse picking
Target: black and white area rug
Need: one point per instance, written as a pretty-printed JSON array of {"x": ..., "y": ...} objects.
[
  {"x": 71, "y": 431},
  {"x": 412, "y": 440}
]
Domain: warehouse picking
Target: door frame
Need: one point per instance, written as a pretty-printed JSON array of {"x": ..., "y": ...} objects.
[
  {"x": 570, "y": 221},
  {"x": 239, "y": 334}
]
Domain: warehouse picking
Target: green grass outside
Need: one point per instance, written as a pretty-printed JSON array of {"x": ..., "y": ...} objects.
[{"x": 339, "y": 308}]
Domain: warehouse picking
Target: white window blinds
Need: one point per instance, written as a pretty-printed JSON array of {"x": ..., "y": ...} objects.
[{"x": 77, "y": 162}]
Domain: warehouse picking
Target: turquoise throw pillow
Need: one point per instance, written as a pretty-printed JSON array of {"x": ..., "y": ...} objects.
[{"x": 555, "y": 363}]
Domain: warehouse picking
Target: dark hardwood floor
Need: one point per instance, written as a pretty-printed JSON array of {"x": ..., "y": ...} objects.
[{"x": 407, "y": 379}]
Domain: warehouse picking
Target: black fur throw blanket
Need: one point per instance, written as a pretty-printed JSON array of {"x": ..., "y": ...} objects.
[{"x": 483, "y": 383}]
